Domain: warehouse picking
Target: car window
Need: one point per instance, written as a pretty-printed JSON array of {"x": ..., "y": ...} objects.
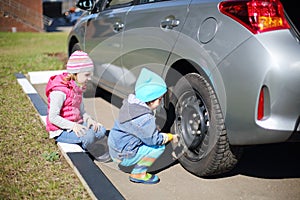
[
  {"x": 149, "y": 1},
  {"x": 118, "y": 3}
]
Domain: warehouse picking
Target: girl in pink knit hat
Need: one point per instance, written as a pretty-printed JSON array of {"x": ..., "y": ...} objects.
[{"x": 67, "y": 120}]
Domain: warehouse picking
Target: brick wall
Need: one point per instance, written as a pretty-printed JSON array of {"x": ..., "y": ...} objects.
[{"x": 21, "y": 16}]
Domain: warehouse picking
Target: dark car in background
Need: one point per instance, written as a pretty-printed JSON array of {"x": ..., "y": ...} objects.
[
  {"x": 232, "y": 68},
  {"x": 72, "y": 15}
]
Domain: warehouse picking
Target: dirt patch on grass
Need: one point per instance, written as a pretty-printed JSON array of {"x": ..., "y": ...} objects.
[{"x": 59, "y": 55}]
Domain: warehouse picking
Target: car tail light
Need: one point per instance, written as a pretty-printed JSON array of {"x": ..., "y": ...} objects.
[
  {"x": 256, "y": 15},
  {"x": 261, "y": 103}
]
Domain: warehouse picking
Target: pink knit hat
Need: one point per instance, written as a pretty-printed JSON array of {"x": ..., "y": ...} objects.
[{"x": 79, "y": 61}]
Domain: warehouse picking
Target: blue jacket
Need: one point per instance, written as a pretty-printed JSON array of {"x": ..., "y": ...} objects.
[{"x": 135, "y": 126}]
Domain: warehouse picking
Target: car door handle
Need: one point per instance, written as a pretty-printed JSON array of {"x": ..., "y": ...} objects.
[
  {"x": 118, "y": 26},
  {"x": 169, "y": 23}
]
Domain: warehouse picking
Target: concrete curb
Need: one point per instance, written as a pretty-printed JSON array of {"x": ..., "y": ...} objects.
[{"x": 92, "y": 178}]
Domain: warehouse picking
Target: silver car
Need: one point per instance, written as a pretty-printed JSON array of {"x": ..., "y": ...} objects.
[{"x": 232, "y": 68}]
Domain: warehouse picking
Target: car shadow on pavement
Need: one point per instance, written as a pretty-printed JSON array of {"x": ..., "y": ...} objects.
[{"x": 271, "y": 161}]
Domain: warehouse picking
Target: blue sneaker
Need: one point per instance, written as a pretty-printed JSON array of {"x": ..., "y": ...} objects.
[{"x": 148, "y": 179}]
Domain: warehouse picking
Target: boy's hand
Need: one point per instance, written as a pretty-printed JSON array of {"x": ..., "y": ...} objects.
[
  {"x": 167, "y": 137},
  {"x": 170, "y": 136}
]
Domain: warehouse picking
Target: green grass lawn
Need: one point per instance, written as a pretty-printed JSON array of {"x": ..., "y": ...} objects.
[{"x": 26, "y": 173}]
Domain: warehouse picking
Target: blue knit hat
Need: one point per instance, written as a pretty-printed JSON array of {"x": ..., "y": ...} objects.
[{"x": 149, "y": 86}]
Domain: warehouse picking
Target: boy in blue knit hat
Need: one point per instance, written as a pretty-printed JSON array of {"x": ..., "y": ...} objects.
[{"x": 135, "y": 139}]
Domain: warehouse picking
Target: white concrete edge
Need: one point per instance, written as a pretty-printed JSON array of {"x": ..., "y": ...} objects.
[
  {"x": 43, "y": 119},
  {"x": 70, "y": 148},
  {"x": 42, "y": 77},
  {"x": 26, "y": 86}
]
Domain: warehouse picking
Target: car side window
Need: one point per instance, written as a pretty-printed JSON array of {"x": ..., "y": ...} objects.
[
  {"x": 149, "y": 1},
  {"x": 118, "y": 3}
]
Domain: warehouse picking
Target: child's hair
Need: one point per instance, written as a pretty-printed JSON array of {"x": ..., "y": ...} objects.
[
  {"x": 70, "y": 77},
  {"x": 149, "y": 102}
]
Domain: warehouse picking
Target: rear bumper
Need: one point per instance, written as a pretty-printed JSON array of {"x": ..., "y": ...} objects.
[{"x": 276, "y": 68}]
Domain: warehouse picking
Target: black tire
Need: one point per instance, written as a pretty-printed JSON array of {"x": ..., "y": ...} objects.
[
  {"x": 75, "y": 47},
  {"x": 199, "y": 123}
]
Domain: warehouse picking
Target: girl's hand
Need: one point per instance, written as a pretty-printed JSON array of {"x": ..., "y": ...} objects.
[
  {"x": 92, "y": 123},
  {"x": 79, "y": 130}
]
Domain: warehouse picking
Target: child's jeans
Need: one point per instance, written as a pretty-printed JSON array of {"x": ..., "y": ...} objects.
[
  {"x": 89, "y": 138},
  {"x": 144, "y": 151}
]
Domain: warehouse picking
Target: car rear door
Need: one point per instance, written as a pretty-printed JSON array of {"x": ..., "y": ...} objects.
[
  {"x": 103, "y": 42},
  {"x": 151, "y": 30}
]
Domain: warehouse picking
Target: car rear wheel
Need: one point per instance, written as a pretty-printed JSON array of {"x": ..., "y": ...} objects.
[
  {"x": 200, "y": 125},
  {"x": 75, "y": 47}
]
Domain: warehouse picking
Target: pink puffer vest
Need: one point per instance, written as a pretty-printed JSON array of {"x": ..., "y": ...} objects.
[{"x": 71, "y": 107}]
